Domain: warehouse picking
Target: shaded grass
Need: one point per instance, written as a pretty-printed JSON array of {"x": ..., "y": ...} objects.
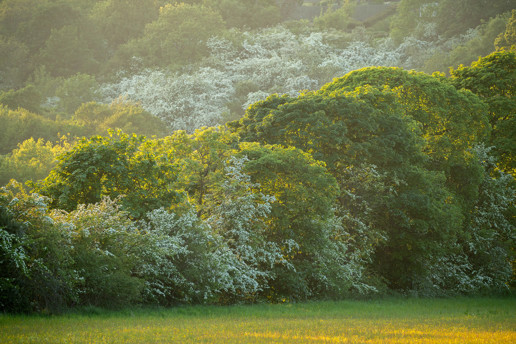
[{"x": 457, "y": 320}]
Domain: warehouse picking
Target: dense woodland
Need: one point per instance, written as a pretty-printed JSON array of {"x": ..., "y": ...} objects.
[{"x": 221, "y": 151}]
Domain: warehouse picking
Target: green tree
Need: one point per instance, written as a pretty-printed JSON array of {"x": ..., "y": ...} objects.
[
  {"x": 132, "y": 118},
  {"x": 27, "y": 97},
  {"x": 300, "y": 217},
  {"x": 122, "y": 20},
  {"x": 12, "y": 72},
  {"x": 71, "y": 49},
  {"x": 493, "y": 79},
  {"x": 177, "y": 37},
  {"x": 105, "y": 254},
  {"x": 32, "y": 160},
  {"x": 201, "y": 158},
  {"x": 31, "y": 21},
  {"x": 337, "y": 18},
  {"x": 112, "y": 166},
  {"x": 456, "y": 16},
  {"x": 20, "y": 125},
  {"x": 75, "y": 90},
  {"x": 507, "y": 39},
  {"x": 409, "y": 14},
  {"x": 480, "y": 44},
  {"x": 247, "y": 13},
  {"x": 429, "y": 20},
  {"x": 451, "y": 121}
]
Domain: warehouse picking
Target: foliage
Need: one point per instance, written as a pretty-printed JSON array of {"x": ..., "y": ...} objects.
[
  {"x": 178, "y": 36},
  {"x": 200, "y": 158},
  {"x": 71, "y": 49},
  {"x": 31, "y": 21},
  {"x": 415, "y": 212},
  {"x": 74, "y": 91},
  {"x": 380, "y": 181},
  {"x": 103, "y": 245},
  {"x": 11, "y": 53},
  {"x": 182, "y": 102},
  {"x": 247, "y": 13},
  {"x": 339, "y": 19},
  {"x": 445, "y": 18},
  {"x": 36, "y": 255},
  {"x": 492, "y": 78},
  {"x": 492, "y": 228},
  {"x": 449, "y": 127},
  {"x": 303, "y": 224},
  {"x": 113, "y": 166},
  {"x": 466, "y": 48},
  {"x": 27, "y": 97},
  {"x": 185, "y": 262},
  {"x": 507, "y": 40},
  {"x": 240, "y": 215},
  {"x": 122, "y": 20},
  {"x": 120, "y": 114},
  {"x": 32, "y": 160},
  {"x": 455, "y": 16},
  {"x": 20, "y": 125}
]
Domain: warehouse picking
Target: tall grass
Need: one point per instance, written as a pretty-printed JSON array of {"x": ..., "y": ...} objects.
[{"x": 462, "y": 320}]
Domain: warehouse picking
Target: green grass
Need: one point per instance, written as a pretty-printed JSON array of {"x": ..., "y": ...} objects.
[{"x": 458, "y": 320}]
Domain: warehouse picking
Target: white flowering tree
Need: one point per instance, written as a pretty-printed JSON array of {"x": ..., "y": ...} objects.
[
  {"x": 185, "y": 261},
  {"x": 240, "y": 215},
  {"x": 183, "y": 101}
]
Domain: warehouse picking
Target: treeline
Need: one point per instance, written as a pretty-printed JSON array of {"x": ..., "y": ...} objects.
[{"x": 382, "y": 181}]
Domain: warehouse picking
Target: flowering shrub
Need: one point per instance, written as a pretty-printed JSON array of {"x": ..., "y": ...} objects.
[
  {"x": 183, "y": 101},
  {"x": 36, "y": 263},
  {"x": 239, "y": 215}
]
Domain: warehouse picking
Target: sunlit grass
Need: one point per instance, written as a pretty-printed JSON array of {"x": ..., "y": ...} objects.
[{"x": 479, "y": 320}]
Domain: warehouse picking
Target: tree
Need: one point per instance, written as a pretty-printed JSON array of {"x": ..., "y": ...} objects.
[
  {"x": 12, "y": 73},
  {"x": 452, "y": 121},
  {"x": 122, "y": 20},
  {"x": 187, "y": 101},
  {"x": 507, "y": 39},
  {"x": 31, "y": 21},
  {"x": 103, "y": 248},
  {"x": 493, "y": 78},
  {"x": 445, "y": 18},
  {"x": 239, "y": 214},
  {"x": 177, "y": 37},
  {"x": 409, "y": 15},
  {"x": 247, "y": 13},
  {"x": 201, "y": 158},
  {"x": 112, "y": 166},
  {"x": 184, "y": 261},
  {"x": 120, "y": 114},
  {"x": 71, "y": 49},
  {"x": 32, "y": 160},
  {"x": 20, "y": 125},
  {"x": 37, "y": 265},
  {"x": 74, "y": 91},
  {"x": 456, "y": 16},
  {"x": 27, "y": 97},
  {"x": 490, "y": 240},
  {"x": 300, "y": 217}
]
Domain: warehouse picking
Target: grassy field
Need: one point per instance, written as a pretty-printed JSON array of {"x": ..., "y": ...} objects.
[{"x": 463, "y": 320}]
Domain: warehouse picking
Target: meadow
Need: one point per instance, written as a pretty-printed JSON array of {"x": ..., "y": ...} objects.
[{"x": 396, "y": 320}]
